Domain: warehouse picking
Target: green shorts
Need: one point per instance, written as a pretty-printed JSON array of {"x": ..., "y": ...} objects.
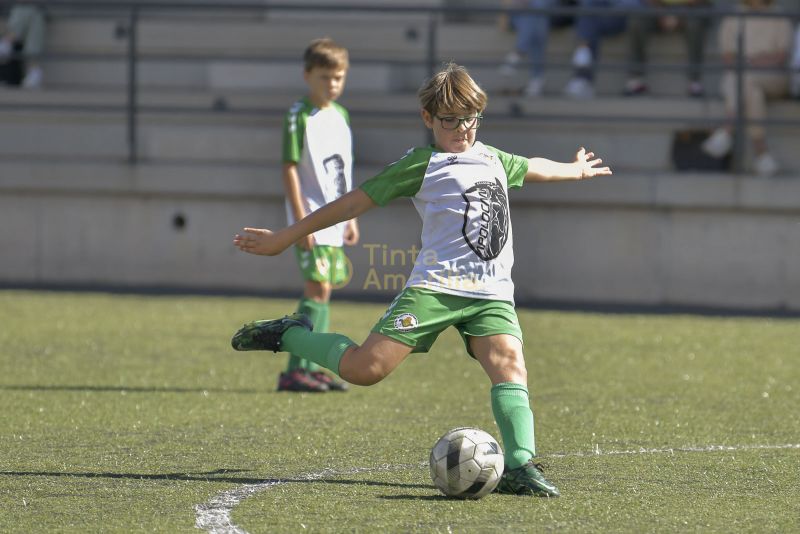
[
  {"x": 324, "y": 263},
  {"x": 417, "y": 316}
]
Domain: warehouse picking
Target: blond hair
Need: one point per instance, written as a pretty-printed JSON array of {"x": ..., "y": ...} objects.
[
  {"x": 451, "y": 89},
  {"x": 326, "y": 54}
]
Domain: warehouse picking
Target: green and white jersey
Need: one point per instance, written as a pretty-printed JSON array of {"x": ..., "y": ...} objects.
[
  {"x": 320, "y": 143},
  {"x": 467, "y": 242}
]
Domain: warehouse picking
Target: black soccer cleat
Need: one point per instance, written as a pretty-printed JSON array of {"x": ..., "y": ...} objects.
[
  {"x": 266, "y": 334},
  {"x": 527, "y": 479}
]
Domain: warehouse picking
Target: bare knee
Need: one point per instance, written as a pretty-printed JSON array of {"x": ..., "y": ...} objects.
[
  {"x": 368, "y": 376},
  {"x": 317, "y": 291},
  {"x": 501, "y": 357},
  {"x": 512, "y": 367},
  {"x": 372, "y": 362},
  {"x": 362, "y": 375}
]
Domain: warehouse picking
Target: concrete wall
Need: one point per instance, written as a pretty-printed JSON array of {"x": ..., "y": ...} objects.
[{"x": 704, "y": 240}]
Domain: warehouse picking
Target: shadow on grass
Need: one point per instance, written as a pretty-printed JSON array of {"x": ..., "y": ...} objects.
[
  {"x": 437, "y": 497},
  {"x": 129, "y": 389},
  {"x": 219, "y": 475}
]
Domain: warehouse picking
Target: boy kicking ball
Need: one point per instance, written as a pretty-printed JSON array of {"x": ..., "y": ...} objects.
[{"x": 462, "y": 276}]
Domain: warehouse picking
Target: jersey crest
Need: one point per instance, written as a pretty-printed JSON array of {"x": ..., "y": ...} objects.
[{"x": 486, "y": 219}]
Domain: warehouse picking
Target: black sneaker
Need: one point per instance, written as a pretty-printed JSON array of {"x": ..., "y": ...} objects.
[
  {"x": 526, "y": 480},
  {"x": 266, "y": 335},
  {"x": 332, "y": 383},
  {"x": 301, "y": 380}
]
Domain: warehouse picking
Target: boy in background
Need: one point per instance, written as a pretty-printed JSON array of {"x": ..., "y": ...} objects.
[
  {"x": 462, "y": 275},
  {"x": 317, "y": 169}
]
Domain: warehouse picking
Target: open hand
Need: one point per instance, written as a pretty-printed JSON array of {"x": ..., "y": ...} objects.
[
  {"x": 258, "y": 241},
  {"x": 588, "y": 167}
]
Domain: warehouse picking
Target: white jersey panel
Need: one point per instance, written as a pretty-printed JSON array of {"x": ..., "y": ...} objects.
[
  {"x": 467, "y": 240},
  {"x": 325, "y": 168}
]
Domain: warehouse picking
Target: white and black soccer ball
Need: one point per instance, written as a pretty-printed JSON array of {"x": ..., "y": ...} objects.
[{"x": 466, "y": 463}]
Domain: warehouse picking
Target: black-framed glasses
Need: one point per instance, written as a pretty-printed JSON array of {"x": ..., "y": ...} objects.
[{"x": 452, "y": 123}]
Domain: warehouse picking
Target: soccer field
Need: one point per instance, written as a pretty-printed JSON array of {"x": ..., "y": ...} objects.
[{"x": 127, "y": 413}]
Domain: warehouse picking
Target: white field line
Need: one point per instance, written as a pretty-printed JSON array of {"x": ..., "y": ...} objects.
[
  {"x": 215, "y": 515},
  {"x": 672, "y": 450}
]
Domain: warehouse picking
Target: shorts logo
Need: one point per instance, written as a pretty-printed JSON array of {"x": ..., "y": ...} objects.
[
  {"x": 405, "y": 322},
  {"x": 323, "y": 266}
]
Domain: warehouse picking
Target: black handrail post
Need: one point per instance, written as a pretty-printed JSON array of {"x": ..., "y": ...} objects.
[
  {"x": 433, "y": 29},
  {"x": 739, "y": 133},
  {"x": 133, "y": 23}
]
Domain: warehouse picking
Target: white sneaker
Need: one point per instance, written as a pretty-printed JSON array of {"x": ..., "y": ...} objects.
[
  {"x": 579, "y": 87},
  {"x": 5, "y": 49},
  {"x": 535, "y": 87},
  {"x": 765, "y": 165},
  {"x": 511, "y": 63},
  {"x": 718, "y": 143},
  {"x": 33, "y": 80},
  {"x": 582, "y": 57}
]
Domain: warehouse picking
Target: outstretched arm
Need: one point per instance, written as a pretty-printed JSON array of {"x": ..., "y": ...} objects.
[
  {"x": 268, "y": 243},
  {"x": 546, "y": 170}
]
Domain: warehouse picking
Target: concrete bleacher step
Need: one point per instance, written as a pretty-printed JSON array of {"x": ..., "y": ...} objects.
[
  {"x": 198, "y": 179},
  {"x": 388, "y": 54},
  {"x": 632, "y": 134},
  {"x": 234, "y": 38}
]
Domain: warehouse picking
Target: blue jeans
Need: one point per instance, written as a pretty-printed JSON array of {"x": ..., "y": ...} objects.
[
  {"x": 592, "y": 28},
  {"x": 532, "y": 33}
]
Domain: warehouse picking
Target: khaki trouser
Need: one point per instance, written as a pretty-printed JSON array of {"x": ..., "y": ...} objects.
[
  {"x": 28, "y": 25},
  {"x": 757, "y": 87}
]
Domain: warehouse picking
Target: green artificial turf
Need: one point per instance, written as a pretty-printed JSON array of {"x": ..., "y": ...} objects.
[{"x": 123, "y": 413}]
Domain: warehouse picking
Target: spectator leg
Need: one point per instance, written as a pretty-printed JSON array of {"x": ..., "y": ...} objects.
[
  {"x": 756, "y": 88},
  {"x": 27, "y": 24},
  {"x": 592, "y": 28},
  {"x": 695, "y": 33},
  {"x": 639, "y": 30},
  {"x": 532, "y": 34}
]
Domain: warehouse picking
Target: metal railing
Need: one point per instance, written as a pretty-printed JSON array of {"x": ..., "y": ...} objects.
[{"x": 133, "y": 10}]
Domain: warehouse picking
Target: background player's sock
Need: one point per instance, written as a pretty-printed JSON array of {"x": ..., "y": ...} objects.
[
  {"x": 324, "y": 318},
  {"x": 324, "y": 349},
  {"x": 512, "y": 412},
  {"x": 317, "y": 312}
]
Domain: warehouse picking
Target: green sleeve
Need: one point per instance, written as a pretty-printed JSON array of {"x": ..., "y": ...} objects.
[
  {"x": 294, "y": 128},
  {"x": 341, "y": 109},
  {"x": 346, "y": 114},
  {"x": 402, "y": 178},
  {"x": 516, "y": 167}
]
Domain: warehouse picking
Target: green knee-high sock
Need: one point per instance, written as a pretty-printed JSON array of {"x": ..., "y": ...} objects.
[
  {"x": 512, "y": 412},
  {"x": 324, "y": 318},
  {"x": 313, "y": 310},
  {"x": 320, "y": 326},
  {"x": 324, "y": 349}
]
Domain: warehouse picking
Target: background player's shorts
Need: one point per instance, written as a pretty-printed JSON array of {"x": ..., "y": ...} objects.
[
  {"x": 324, "y": 263},
  {"x": 417, "y": 316}
]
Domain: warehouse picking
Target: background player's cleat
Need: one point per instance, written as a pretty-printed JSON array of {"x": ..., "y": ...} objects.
[
  {"x": 332, "y": 383},
  {"x": 266, "y": 335},
  {"x": 526, "y": 480},
  {"x": 301, "y": 380}
]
